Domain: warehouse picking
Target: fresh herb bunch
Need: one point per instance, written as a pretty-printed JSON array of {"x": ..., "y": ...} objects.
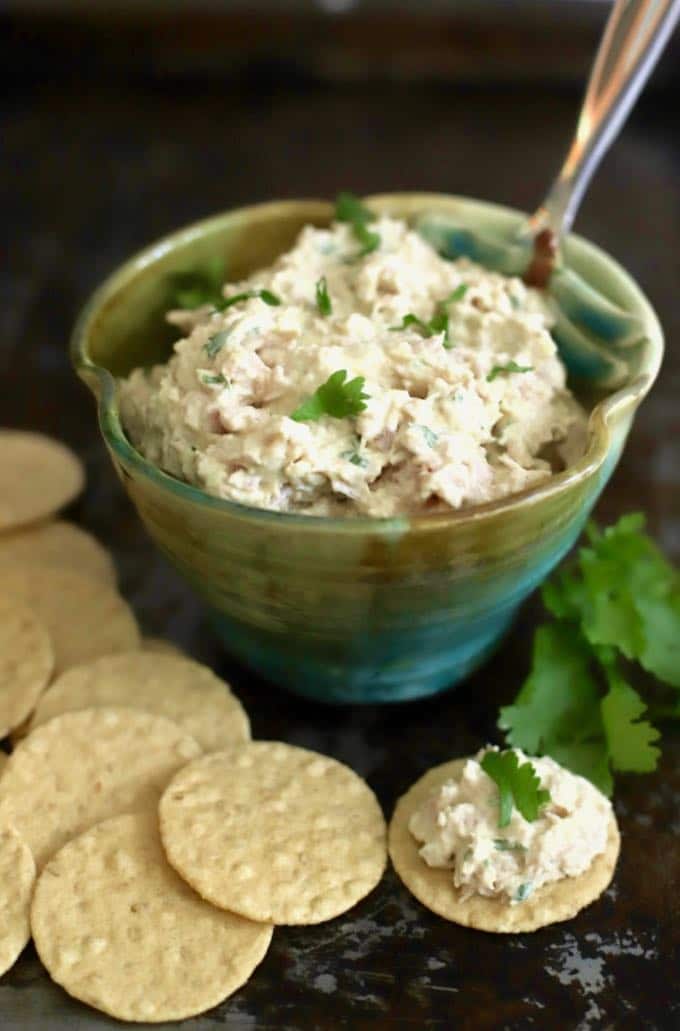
[
  {"x": 337, "y": 397},
  {"x": 616, "y": 603}
]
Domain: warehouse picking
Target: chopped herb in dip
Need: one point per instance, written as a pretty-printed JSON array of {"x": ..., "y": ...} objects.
[
  {"x": 439, "y": 323},
  {"x": 431, "y": 437},
  {"x": 215, "y": 343},
  {"x": 500, "y": 370},
  {"x": 213, "y": 379},
  {"x": 412, "y": 320},
  {"x": 505, "y": 845},
  {"x": 265, "y": 295},
  {"x": 355, "y": 458},
  {"x": 323, "y": 301},
  {"x": 524, "y": 891}
]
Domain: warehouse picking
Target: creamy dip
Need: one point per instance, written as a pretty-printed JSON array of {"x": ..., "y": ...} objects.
[
  {"x": 452, "y": 418},
  {"x": 458, "y": 828}
]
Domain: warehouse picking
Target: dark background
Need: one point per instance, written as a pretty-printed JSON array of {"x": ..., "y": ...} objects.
[{"x": 120, "y": 122}]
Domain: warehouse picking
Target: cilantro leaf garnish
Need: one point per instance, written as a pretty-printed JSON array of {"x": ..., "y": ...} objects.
[
  {"x": 618, "y": 599},
  {"x": 412, "y": 320},
  {"x": 265, "y": 295},
  {"x": 201, "y": 286},
  {"x": 369, "y": 240},
  {"x": 323, "y": 301},
  {"x": 518, "y": 784},
  {"x": 499, "y": 370},
  {"x": 348, "y": 208},
  {"x": 337, "y": 397},
  {"x": 439, "y": 323},
  {"x": 456, "y": 295}
]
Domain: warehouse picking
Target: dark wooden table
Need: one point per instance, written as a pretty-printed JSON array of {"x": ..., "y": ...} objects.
[{"x": 89, "y": 175}]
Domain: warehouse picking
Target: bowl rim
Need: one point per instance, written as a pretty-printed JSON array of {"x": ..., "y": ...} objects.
[{"x": 599, "y": 424}]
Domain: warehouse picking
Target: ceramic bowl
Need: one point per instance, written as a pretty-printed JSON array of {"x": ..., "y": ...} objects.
[{"x": 356, "y": 609}]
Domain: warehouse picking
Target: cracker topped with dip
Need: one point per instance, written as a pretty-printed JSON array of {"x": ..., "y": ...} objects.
[{"x": 480, "y": 854}]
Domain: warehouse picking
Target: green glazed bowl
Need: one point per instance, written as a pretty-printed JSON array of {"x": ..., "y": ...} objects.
[{"x": 356, "y": 609}]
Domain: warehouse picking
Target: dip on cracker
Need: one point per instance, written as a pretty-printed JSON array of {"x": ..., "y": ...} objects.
[
  {"x": 504, "y": 843},
  {"x": 361, "y": 374}
]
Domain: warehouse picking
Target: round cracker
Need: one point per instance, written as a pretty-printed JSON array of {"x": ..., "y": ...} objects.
[
  {"x": 85, "y": 618},
  {"x": 169, "y": 685},
  {"x": 118, "y": 929},
  {"x": 159, "y": 644},
  {"x": 274, "y": 832},
  {"x": 17, "y": 876},
  {"x": 434, "y": 887},
  {"x": 26, "y": 663},
  {"x": 38, "y": 476},
  {"x": 86, "y": 766},
  {"x": 58, "y": 544}
]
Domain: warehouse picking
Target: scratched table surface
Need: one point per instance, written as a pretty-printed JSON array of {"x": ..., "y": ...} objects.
[{"x": 88, "y": 177}]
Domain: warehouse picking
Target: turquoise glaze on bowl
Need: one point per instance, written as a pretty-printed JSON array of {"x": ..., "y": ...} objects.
[{"x": 358, "y": 609}]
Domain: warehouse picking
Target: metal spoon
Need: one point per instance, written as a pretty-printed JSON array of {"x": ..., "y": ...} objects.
[{"x": 634, "y": 37}]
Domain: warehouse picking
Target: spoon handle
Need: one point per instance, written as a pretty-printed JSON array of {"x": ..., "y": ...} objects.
[{"x": 636, "y": 33}]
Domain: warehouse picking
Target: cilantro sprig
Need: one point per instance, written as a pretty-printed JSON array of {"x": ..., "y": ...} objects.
[
  {"x": 502, "y": 370},
  {"x": 348, "y": 208},
  {"x": 518, "y": 785},
  {"x": 616, "y": 603},
  {"x": 439, "y": 323},
  {"x": 337, "y": 397}
]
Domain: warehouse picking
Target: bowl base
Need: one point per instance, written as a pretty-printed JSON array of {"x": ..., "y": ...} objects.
[{"x": 388, "y": 676}]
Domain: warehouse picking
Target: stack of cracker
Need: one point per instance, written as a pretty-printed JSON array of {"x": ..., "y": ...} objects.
[{"x": 146, "y": 843}]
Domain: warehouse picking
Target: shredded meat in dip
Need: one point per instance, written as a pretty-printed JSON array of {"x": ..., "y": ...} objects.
[{"x": 452, "y": 419}]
